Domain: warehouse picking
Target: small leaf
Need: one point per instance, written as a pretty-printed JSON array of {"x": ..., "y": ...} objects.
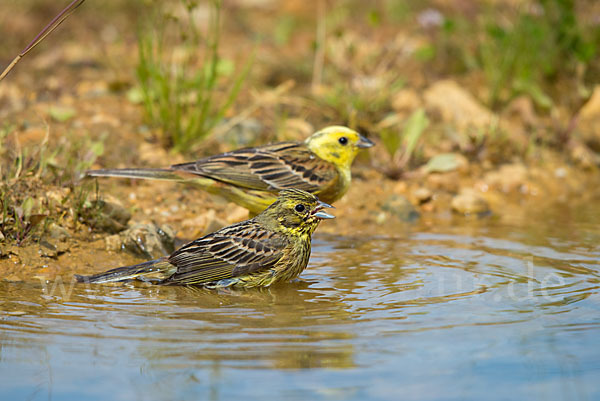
[
  {"x": 225, "y": 67},
  {"x": 135, "y": 95},
  {"x": 36, "y": 219},
  {"x": 538, "y": 95},
  {"x": 391, "y": 140},
  {"x": 374, "y": 18},
  {"x": 284, "y": 27},
  {"x": 18, "y": 212},
  {"x": 415, "y": 125},
  {"x": 61, "y": 113},
  {"x": 425, "y": 53},
  {"x": 26, "y": 207},
  {"x": 97, "y": 148},
  {"x": 442, "y": 163}
]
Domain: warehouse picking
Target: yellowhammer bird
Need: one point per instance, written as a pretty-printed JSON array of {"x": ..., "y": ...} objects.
[
  {"x": 253, "y": 177},
  {"x": 272, "y": 247}
]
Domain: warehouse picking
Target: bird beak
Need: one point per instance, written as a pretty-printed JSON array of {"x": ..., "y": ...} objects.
[
  {"x": 364, "y": 142},
  {"x": 319, "y": 213}
]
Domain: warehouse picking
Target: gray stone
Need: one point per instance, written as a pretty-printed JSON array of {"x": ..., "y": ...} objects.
[
  {"x": 422, "y": 195},
  {"x": 106, "y": 216},
  {"x": 457, "y": 106},
  {"x": 468, "y": 202},
  {"x": 57, "y": 232},
  {"x": 146, "y": 240},
  {"x": 400, "y": 207}
]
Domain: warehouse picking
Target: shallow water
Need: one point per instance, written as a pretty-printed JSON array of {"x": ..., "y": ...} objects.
[{"x": 483, "y": 310}]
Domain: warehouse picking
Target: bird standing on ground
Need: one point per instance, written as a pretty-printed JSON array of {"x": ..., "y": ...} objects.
[
  {"x": 272, "y": 247},
  {"x": 252, "y": 177}
]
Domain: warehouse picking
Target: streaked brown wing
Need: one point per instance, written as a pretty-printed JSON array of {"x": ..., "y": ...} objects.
[
  {"x": 269, "y": 168},
  {"x": 231, "y": 252}
]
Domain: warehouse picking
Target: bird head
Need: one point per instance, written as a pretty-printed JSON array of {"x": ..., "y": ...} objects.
[
  {"x": 337, "y": 144},
  {"x": 295, "y": 212}
]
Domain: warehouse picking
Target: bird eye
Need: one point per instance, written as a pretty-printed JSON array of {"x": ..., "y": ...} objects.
[
  {"x": 343, "y": 140},
  {"x": 299, "y": 208}
]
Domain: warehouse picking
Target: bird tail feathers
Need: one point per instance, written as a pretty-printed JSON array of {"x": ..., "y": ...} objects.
[
  {"x": 154, "y": 271},
  {"x": 150, "y": 173}
]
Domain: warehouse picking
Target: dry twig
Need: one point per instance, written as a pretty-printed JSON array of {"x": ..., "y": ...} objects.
[{"x": 52, "y": 25}]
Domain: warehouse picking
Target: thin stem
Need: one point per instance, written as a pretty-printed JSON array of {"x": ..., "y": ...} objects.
[
  {"x": 320, "y": 46},
  {"x": 52, "y": 25}
]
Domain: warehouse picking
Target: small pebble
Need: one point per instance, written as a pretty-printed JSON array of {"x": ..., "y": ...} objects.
[{"x": 468, "y": 202}]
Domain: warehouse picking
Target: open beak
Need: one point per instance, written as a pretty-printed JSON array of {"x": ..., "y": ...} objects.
[
  {"x": 364, "y": 142},
  {"x": 319, "y": 213}
]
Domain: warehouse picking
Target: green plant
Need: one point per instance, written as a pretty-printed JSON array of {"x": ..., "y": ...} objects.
[
  {"x": 529, "y": 53},
  {"x": 362, "y": 103},
  {"x": 523, "y": 51},
  {"x": 29, "y": 173},
  {"x": 20, "y": 174},
  {"x": 181, "y": 97},
  {"x": 518, "y": 57},
  {"x": 284, "y": 29},
  {"x": 401, "y": 144},
  {"x": 23, "y": 218}
]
